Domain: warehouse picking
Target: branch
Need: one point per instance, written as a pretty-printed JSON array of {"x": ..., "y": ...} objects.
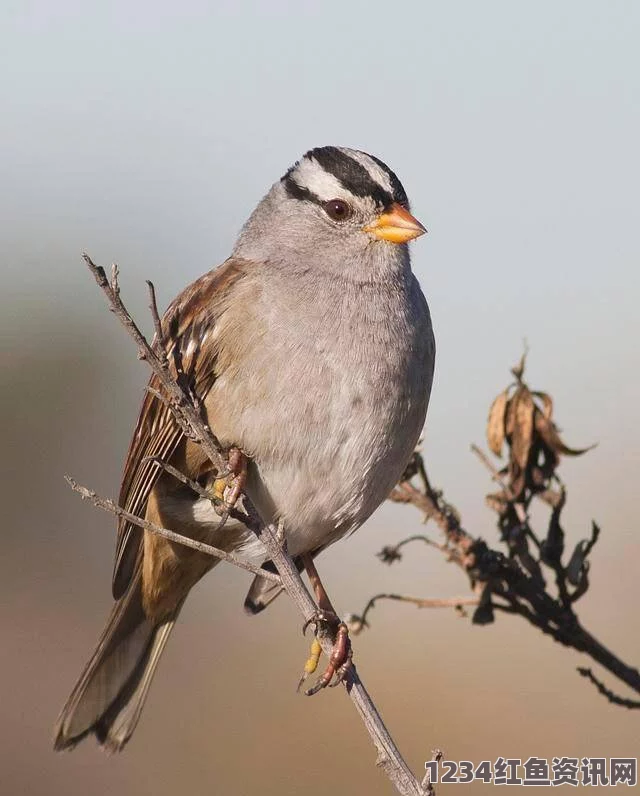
[
  {"x": 514, "y": 583},
  {"x": 193, "y": 485},
  {"x": 631, "y": 704},
  {"x": 108, "y": 505},
  {"x": 497, "y": 476},
  {"x": 188, "y": 415},
  {"x": 181, "y": 405},
  {"x": 357, "y": 622},
  {"x": 436, "y": 757}
]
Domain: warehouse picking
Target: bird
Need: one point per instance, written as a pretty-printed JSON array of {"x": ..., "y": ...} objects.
[{"x": 311, "y": 351}]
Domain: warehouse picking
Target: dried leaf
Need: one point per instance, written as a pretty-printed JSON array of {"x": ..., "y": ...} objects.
[
  {"x": 483, "y": 615},
  {"x": 549, "y": 433},
  {"x": 583, "y": 585},
  {"x": 498, "y": 502},
  {"x": 537, "y": 475},
  {"x": 547, "y": 403},
  {"x": 577, "y": 562},
  {"x": 550, "y": 459},
  {"x": 551, "y": 497},
  {"x": 495, "y": 423},
  {"x": 595, "y": 535},
  {"x": 523, "y": 428},
  {"x": 552, "y": 547},
  {"x": 510, "y": 414}
]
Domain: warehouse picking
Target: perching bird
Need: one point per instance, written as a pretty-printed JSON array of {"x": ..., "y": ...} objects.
[{"x": 312, "y": 351}]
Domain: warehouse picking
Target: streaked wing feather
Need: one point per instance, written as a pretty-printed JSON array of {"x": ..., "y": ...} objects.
[{"x": 157, "y": 433}]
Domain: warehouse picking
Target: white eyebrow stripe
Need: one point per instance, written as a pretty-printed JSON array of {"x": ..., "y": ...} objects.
[
  {"x": 310, "y": 174},
  {"x": 376, "y": 173}
]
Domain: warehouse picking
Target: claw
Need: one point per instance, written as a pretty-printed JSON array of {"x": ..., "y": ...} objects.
[
  {"x": 343, "y": 670},
  {"x": 232, "y": 483},
  {"x": 318, "y": 618},
  {"x": 339, "y": 662}
]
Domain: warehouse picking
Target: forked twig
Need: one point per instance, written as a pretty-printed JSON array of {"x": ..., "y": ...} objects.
[
  {"x": 458, "y": 603},
  {"x": 181, "y": 404}
]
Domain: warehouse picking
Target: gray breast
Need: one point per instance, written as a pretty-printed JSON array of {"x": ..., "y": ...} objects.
[{"x": 328, "y": 397}]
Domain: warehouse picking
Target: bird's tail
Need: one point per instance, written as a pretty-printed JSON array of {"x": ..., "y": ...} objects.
[
  {"x": 263, "y": 592},
  {"x": 109, "y": 696}
]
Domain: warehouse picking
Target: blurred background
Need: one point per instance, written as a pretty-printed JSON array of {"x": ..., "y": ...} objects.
[{"x": 145, "y": 133}]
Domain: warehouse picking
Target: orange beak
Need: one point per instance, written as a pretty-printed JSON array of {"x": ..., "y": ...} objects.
[{"x": 397, "y": 225}]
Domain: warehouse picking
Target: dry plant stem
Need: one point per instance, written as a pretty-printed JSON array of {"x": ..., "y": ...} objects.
[
  {"x": 495, "y": 474},
  {"x": 420, "y": 602},
  {"x": 520, "y": 593},
  {"x": 631, "y": 704},
  {"x": 575, "y": 635},
  {"x": 187, "y": 414},
  {"x": 108, "y": 505},
  {"x": 193, "y": 485},
  {"x": 429, "y": 790},
  {"x": 181, "y": 404},
  {"x": 157, "y": 323},
  {"x": 418, "y": 538},
  {"x": 389, "y": 757}
]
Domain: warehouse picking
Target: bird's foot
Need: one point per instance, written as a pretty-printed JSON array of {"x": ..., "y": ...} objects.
[
  {"x": 340, "y": 659},
  {"x": 227, "y": 490}
]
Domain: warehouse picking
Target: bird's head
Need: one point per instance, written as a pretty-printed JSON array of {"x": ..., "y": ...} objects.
[{"x": 337, "y": 210}]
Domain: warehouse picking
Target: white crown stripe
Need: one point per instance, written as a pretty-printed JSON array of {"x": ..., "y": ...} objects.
[
  {"x": 310, "y": 174},
  {"x": 376, "y": 173}
]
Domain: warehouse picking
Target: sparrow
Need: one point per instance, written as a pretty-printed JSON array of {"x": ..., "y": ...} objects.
[{"x": 311, "y": 351}]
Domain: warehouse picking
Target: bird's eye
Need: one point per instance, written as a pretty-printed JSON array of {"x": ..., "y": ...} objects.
[{"x": 338, "y": 210}]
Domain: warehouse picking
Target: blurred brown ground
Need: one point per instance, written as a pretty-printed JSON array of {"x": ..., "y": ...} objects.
[{"x": 223, "y": 716}]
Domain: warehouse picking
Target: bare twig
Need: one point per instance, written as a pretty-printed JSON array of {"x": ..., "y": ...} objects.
[
  {"x": 427, "y": 784},
  {"x": 389, "y": 757},
  {"x": 500, "y": 479},
  {"x": 391, "y": 553},
  {"x": 193, "y": 485},
  {"x": 181, "y": 403},
  {"x": 108, "y": 505},
  {"x": 157, "y": 323},
  {"x": 420, "y": 602},
  {"x": 497, "y": 476},
  {"x": 631, "y": 704}
]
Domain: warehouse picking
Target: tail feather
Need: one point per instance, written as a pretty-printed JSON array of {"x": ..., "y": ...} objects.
[
  {"x": 117, "y": 724},
  {"x": 111, "y": 692},
  {"x": 263, "y": 592}
]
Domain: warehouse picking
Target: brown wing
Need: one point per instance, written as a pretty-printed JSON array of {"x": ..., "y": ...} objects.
[{"x": 185, "y": 324}]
